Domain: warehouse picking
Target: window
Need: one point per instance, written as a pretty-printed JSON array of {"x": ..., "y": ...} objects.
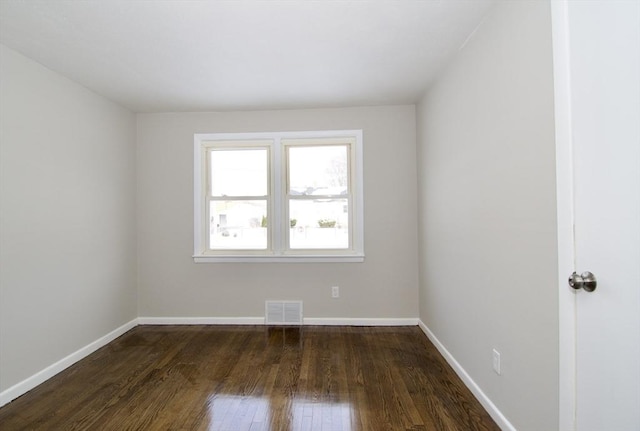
[{"x": 290, "y": 196}]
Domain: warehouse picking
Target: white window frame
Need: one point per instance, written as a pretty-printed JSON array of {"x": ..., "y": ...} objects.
[{"x": 277, "y": 200}]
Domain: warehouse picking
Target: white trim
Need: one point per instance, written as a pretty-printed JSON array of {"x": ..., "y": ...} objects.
[
  {"x": 278, "y": 251},
  {"x": 567, "y": 395},
  {"x": 356, "y": 321},
  {"x": 358, "y": 203},
  {"x": 316, "y": 321},
  {"x": 201, "y": 320},
  {"x": 29, "y": 383},
  {"x": 491, "y": 408},
  {"x": 198, "y": 216},
  {"x": 348, "y": 258}
]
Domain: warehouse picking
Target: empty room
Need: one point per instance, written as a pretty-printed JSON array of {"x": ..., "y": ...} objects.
[{"x": 320, "y": 215}]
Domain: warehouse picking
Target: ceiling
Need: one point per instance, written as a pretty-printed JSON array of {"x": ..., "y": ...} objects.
[{"x": 170, "y": 55}]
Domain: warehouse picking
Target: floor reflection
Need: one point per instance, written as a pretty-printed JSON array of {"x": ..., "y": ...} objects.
[
  {"x": 309, "y": 415},
  {"x": 287, "y": 336},
  {"x": 237, "y": 413}
]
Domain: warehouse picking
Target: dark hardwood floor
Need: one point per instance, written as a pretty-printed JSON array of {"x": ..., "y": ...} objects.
[{"x": 254, "y": 378}]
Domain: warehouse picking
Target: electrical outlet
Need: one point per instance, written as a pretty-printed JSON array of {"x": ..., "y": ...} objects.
[
  {"x": 335, "y": 292},
  {"x": 496, "y": 362}
]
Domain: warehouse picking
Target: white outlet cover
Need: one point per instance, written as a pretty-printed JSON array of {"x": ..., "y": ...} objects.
[{"x": 496, "y": 362}]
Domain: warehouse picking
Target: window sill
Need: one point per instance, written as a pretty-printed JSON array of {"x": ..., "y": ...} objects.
[{"x": 351, "y": 258}]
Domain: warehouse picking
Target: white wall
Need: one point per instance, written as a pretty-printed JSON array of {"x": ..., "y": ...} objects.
[
  {"x": 171, "y": 285},
  {"x": 488, "y": 254},
  {"x": 67, "y": 226}
]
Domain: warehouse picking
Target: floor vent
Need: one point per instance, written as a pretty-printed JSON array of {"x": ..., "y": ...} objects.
[{"x": 283, "y": 312}]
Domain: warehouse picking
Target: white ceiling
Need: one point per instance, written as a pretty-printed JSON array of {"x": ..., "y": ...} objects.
[{"x": 170, "y": 55}]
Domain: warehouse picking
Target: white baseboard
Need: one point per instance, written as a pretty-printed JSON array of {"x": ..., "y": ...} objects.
[
  {"x": 348, "y": 321},
  {"x": 201, "y": 320},
  {"x": 26, "y": 385},
  {"x": 319, "y": 321},
  {"x": 491, "y": 408}
]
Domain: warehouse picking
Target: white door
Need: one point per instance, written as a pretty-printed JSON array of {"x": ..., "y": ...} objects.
[{"x": 597, "y": 75}]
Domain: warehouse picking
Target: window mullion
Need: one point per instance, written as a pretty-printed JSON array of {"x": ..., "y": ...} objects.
[{"x": 277, "y": 189}]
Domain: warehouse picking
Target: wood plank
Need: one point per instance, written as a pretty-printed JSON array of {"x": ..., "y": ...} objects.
[{"x": 255, "y": 378}]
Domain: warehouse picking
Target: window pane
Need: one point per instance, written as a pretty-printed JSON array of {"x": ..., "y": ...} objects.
[
  {"x": 318, "y": 223},
  {"x": 318, "y": 170},
  {"x": 238, "y": 225},
  {"x": 238, "y": 172}
]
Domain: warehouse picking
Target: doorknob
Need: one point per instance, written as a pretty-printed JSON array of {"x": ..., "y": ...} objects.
[{"x": 586, "y": 281}]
